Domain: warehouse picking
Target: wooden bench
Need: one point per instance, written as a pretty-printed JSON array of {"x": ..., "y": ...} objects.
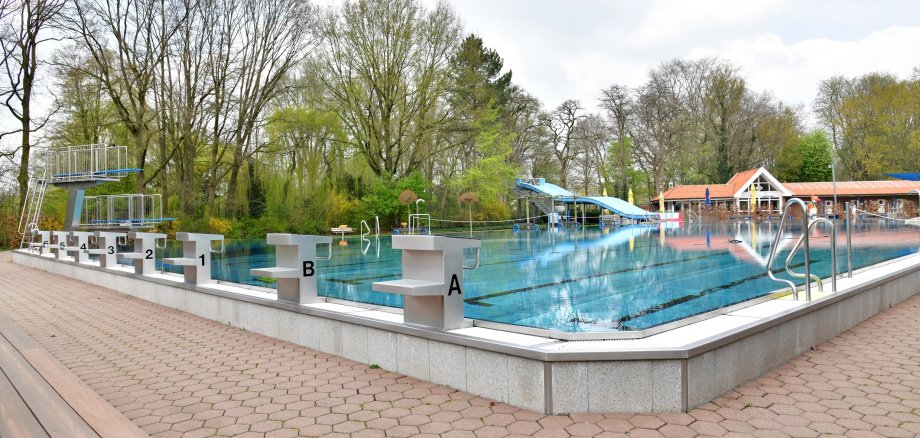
[
  {"x": 432, "y": 282},
  {"x": 39, "y": 397}
]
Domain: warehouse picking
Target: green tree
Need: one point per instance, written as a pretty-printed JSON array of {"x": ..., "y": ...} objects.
[
  {"x": 814, "y": 157},
  {"x": 385, "y": 69}
]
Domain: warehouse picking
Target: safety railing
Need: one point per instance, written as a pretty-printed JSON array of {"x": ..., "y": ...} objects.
[
  {"x": 415, "y": 223},
  {"x": 86, "y": 162},
  {"x": 134, "y": 210},
  {"x": 803, "y": 241}
]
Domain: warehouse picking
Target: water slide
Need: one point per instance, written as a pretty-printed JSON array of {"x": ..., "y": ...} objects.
[{"x": 616, "y": 205}]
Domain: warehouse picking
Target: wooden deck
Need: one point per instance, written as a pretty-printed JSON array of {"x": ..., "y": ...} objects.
[{"x": 39, "y": 397}]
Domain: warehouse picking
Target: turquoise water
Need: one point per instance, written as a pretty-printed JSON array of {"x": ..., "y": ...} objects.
[{"x": 589, "y": 280}]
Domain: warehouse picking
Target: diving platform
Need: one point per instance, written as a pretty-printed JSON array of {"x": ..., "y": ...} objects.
[
  {"x": 92, "y": 163},
  {"x": 126, "y": 212},
  {"x": 77, "y": 168}
]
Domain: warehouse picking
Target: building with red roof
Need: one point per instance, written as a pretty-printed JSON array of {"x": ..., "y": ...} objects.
[{"x": 770, "y": 194}]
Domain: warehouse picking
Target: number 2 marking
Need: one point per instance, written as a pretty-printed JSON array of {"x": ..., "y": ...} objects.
[{"x": 149, "y": 254}]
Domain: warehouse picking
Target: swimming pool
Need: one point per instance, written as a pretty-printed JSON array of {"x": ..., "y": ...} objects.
[{"x": 590, "y": 280}]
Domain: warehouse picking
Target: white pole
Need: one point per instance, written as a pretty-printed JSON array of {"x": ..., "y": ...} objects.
[{"x": 834, "y": 179}]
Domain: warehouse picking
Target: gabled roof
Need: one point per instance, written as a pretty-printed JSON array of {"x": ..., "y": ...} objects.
[
  {"x": 734, "y": 187},
  {"x": 739, "y": 183}
]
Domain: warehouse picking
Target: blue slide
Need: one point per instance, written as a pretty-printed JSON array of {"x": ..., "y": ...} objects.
[{"x": 616, "y": 205}]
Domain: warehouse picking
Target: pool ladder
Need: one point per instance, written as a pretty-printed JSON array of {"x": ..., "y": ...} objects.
[{"x": 803, "y": 239}]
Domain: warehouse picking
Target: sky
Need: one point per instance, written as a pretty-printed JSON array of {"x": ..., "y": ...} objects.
[{"x": 560, "y": 50}]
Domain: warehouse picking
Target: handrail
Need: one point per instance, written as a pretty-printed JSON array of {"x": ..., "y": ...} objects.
[
  {"x": 221, "y": 251},
  {"x": 794, "y": 274},
  {"x": 849, "y": 224},
  {"x": 416, "y": 219},
  {"x": 23, "y": 220},
  {"x": 476, "y": 266},
  {"x": 775, "y": 246},
  {"x": 833, "y": 255},
  {"x": 328, "y": 254},
  {"x": 377, "y": 226},
  {"x": 362, "y": 227}
]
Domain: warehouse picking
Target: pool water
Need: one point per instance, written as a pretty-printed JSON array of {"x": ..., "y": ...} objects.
[{"x": 592, "y": 279}]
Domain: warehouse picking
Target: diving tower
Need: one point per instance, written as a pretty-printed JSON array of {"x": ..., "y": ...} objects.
[
  {"x": 77, "y": 168},
  {"x": 559, "y": 194}
]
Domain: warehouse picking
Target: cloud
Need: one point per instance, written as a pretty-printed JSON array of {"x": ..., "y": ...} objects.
[
  {"x": 792, "y": 70},
  {"x": 673, "y": 21}
]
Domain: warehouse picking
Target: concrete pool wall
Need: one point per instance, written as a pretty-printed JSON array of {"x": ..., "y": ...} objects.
[{"x": 670, "y": 371}]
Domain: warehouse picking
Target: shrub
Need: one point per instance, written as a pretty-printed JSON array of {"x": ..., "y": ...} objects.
[{"x": 219, "y": 226}]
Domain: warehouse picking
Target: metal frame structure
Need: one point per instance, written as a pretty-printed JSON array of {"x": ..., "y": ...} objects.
[{"x": 125, "y": 211}]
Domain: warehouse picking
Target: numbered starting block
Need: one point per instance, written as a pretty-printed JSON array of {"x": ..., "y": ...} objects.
[
  {"x": 196, "y": 256},
  {"x": 60, "y": 244},
  {"x": 295, "y": 270},
  {"x": 43, "y": 246},
  {"x": 432, "y": 283},
  {"x": 144, "y": 254},
  {"x": 106, "y": 247},
  {"x": 79, "y": 243}
]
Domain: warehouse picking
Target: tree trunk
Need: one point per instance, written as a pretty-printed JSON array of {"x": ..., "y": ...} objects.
[
  {"x": 26, "y": 149},
  {"x": 233, "y": 183},
  {"x": 140, "y": 144}
]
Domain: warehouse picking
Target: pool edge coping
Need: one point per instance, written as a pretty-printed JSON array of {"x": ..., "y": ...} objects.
[{"x": 687, "y": 351}]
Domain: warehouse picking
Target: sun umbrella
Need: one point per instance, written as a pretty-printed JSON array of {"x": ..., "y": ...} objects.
[
  {"x": 707, "y": 196},
  {"x": 753, "y": 198},
  {"x": 629, "y": 197},
  {"x": 604, "y": 194}
]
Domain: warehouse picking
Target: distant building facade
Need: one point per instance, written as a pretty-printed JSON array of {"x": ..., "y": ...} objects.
[{"x": 770, "y": 195}]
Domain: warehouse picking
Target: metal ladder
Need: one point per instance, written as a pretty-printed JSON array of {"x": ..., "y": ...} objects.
[
  {"x": 32, "y": 207},
  {"x": 803, "y": 239}
]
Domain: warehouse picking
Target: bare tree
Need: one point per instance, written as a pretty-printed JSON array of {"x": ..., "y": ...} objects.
[
  {"x": 128, "y": 40},
  {"x": 184, "y": 92},
  {"x": 560, "y": 126},
  {"x": 24, "y": 29},
  {"x": 592, "y": 140},
  {"x": 617, "y": 100},
  {"x": 226, "y": 18},
  {"x": 386, "y": 71},
  {"x": 275, "y": 36}
]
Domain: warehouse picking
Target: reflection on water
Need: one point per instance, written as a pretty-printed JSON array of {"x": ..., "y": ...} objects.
[{"x": 593, "y": 279}]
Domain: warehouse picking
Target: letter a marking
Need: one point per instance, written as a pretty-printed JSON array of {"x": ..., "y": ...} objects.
[{"x": 454, "y": 286}]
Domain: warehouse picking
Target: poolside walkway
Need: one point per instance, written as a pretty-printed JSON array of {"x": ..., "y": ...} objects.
[{"x": 175, "y": 374}]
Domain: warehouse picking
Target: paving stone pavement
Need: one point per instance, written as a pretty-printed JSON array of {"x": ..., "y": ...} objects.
[{"x": 175, "y": 374}]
